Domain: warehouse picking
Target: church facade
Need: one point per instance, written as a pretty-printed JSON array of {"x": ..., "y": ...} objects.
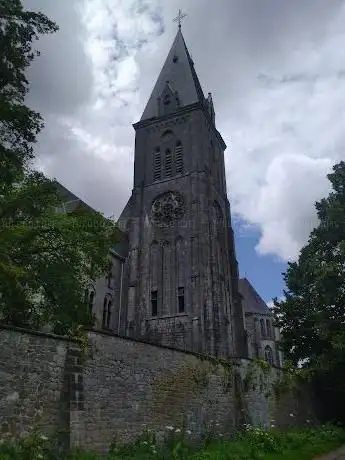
[{"x": 175, "y": 279}]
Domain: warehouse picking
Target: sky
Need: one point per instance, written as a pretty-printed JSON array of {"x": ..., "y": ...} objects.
[{"x": 277, "y": 76}]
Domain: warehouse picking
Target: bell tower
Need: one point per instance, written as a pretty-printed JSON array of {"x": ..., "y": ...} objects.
[{"x": 182, "y": 268}]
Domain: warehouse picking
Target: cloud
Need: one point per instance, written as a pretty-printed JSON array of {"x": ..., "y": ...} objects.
[
  {"x": 286, "y": 134},
  {"x": 276, "y": 73},
  {"x": 61, "y": 78},
  {"x": 285, "y": 207},
  {"x": 86, "y": 87}
]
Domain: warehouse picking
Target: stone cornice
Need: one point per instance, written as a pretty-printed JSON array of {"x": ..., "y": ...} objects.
[{"x": 178, "y": 117}]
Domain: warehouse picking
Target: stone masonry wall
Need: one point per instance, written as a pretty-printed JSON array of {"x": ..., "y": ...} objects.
[
  {"x": 124, "y": 387},
  {"x": 32, "y": 384}
]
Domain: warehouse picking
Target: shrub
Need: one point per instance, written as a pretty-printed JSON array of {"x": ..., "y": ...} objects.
[{"x": 254, "y": 444}]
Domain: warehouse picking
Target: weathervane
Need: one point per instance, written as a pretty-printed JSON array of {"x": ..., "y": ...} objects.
[{"x": 179, "y": 18}]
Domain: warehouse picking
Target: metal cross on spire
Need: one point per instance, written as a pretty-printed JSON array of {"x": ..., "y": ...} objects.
[{"x": 179, "y": 18}]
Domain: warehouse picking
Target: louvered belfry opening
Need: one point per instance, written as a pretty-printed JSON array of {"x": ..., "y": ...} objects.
[
  {"x": 157, "y": 164},
  {"x": 168, "y": 163},
  {"x": 179, "y": 158}
]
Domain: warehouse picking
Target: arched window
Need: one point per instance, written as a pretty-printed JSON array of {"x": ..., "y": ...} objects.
[
  {"x": 167, "y": 99},
  {"x": 269, "y": 355},
  {"x": 157, "y": 164},
  {"x": 180, "y": 296},
  {"x": 179, "y": 167},
  {"x": 167, "y": 136},
  {"x": 110, "y": 307},
  {"x": 154, "y": 264},
  {"x": 107, "y": 310},
  {"x": 268, "y": 328},
  {"x": 168, "y": 163},
  {"x": 155, "y": 267},
  {"x": 262, "y": 328},
  {"x": 180, "y": 266},
  {"x": 166, "y": 277},
  {"x": 110, "y": 280}
]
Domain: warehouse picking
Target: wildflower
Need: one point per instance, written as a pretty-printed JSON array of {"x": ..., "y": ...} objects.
[
  {"x": 44, "y": 438},
  {"x": 177, "y": 430},
  {"x": 169, "y": 428},
  {"x": 145, "y": 443},
  {"x": 272, "y": 425}
]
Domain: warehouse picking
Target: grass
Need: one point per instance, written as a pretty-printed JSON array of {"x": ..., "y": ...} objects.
[{"x": 254, "y": 444}]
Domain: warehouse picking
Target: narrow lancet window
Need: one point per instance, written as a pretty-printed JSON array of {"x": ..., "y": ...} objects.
[
  {"x": 110, "y": 304},
  {"x": 269, "y": 355},
  {"x": 268, "y": 328},
  {"x": 154, "y": 303},
  {"x": 104, "y": 319},
  {"x": 109, "y": 279},
  {"x": 181, "y": 302},
  {"x": 180, "y": 264}
]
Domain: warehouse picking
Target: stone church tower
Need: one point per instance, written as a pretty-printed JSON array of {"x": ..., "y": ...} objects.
[{"x": 182, "y": 273}]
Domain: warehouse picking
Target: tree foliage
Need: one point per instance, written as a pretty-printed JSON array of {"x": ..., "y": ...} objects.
[
  {"x": 47, "y": 259},
  {"x": 312, "y": 316},
  {"x": 19, "y": 125}
]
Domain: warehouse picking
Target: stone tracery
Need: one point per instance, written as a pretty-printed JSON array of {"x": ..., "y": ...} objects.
[{"x": 167, "y": 208}]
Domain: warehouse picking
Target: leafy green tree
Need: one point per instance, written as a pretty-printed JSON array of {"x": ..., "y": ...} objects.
[
  {"x": 312, "y": 316},
  {"x": 19, "y": 125},
  {"x": 46, "y": 258},
  {"x": 49, "y": 258}
]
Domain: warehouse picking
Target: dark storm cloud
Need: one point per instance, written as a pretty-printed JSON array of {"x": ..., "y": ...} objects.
[{"x": 61, "y": 78}]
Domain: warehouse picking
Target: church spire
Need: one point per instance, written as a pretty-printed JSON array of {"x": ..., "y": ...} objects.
[{"x": 178, "y": 84}]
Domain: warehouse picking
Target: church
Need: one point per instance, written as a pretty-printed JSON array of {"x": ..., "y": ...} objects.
[{"x": 175, "y": 279}]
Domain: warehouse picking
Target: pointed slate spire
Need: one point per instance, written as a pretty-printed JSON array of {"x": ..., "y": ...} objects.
[{"x": 178, "y": 74}]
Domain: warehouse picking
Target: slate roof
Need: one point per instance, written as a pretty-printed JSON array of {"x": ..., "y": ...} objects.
[
  {"x": 180, "y": 74},
  {"x": 251, "y": 301},
  {"x": 72, "y": 202}
]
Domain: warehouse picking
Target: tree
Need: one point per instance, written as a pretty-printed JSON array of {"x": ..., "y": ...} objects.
[
  {"x": 19, "y": 125},
  {"x": 312, "y": 316},
  {"x": 49, "y": 258},
  {"x": 46, "y": 259}
]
